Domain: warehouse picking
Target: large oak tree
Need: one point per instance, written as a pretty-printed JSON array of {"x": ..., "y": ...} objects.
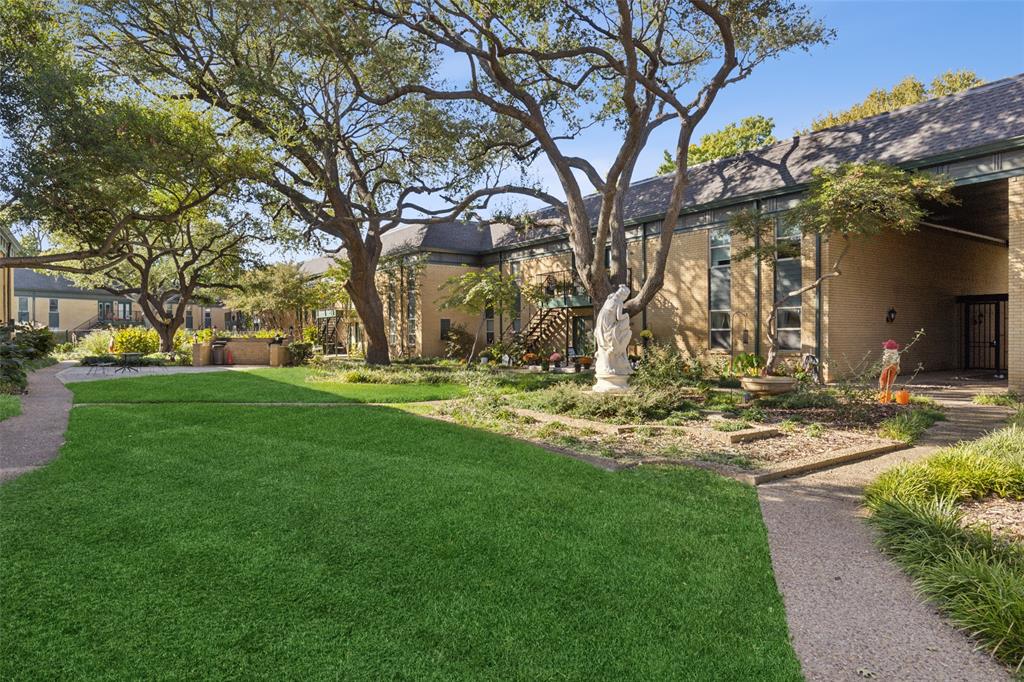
[
  {"x": 557, "y": 69},
  {"x": 282, "y": 75}
]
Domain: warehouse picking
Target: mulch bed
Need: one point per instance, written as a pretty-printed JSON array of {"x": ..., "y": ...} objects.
[{"x": 1005, "y": 518}]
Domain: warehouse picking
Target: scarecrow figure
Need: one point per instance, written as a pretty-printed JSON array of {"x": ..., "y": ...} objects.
[{"x": 890, "y": 369}]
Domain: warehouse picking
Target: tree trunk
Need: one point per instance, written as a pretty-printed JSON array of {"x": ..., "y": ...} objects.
[
  {"x": 366, "y": 300},
  {"x": 476, "y": 339},
  {"x": 166, "y": 334}
]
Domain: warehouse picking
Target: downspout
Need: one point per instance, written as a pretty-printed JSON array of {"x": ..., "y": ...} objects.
[
  {"x": 643, "y": 258},
  {"x": 817, "y": 303},
  {"x": 501, "y": 315},
  {"x": 757, "y": 286}
]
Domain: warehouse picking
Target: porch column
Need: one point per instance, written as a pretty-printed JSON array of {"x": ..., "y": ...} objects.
[{"x": 1015, "y": 306}]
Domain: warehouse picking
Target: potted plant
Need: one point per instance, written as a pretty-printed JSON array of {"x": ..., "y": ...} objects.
[
  {"x": 585, "y": 358},
  {"x": 555, "y": 359},
  {"x": 755, "y": 379}
]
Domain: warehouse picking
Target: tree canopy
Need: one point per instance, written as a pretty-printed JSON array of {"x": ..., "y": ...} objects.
[
  {"x": 479, "y": 291},
  {"x": 908, "y": 91},
  {"x": 750, "y": 133},
  {"x": 88, "y": 161},
  {"x": 558, "y": 70}
]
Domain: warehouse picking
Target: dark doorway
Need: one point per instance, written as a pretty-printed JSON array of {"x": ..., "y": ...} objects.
[{"x": 984, "y": 325}]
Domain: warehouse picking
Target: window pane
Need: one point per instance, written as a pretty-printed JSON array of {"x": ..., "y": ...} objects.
[
  {"x": 720, "y": 238},
  {"x": 785, "y": 228},
  {"x": 789, "y": 318},
  {"x": 720, "y": 320},
  {"x": 720, "y": 284},
  {"x": 720, "y": 255},
  {"x": 721, "y": 339},
  {"x": 788, "y": 248},
  {"x": 789, "y": 340},
  {"x": 787, "y": 277}
]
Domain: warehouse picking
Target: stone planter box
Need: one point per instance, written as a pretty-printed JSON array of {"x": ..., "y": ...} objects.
[{"x": 765, "y": 386}]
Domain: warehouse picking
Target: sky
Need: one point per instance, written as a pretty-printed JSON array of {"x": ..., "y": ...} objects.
[{"x": 877, "y": 45}]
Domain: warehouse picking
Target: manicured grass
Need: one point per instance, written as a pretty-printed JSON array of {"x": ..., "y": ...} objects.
[
  {"x": 285, "y": 385},
  {"x": 977, "y": 580},
  {"x": 10, "y": 406},
  {"x": 173, "y": 541}
]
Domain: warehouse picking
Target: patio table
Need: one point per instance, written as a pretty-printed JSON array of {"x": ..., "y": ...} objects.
[{"x": 129, "y": 362}]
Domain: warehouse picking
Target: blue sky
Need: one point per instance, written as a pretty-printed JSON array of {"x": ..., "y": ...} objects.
[{"x": 878, "y": 44}]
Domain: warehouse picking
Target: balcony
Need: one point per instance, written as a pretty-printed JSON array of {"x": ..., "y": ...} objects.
[{"x": 563, "y": 289}]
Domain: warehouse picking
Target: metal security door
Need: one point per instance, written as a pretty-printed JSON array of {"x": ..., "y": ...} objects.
[{"x": 984, "y": 319}]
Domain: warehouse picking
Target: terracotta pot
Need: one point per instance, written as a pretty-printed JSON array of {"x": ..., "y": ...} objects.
[
  {"x": 762, "y": 386},
  {"x": 902, "y": 397}
]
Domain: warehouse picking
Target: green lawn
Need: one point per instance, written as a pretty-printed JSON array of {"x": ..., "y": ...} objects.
[
  {"x": 286, "y": 384},
  {"x": 10, "y": 406},
  {"x": 172, "y": 541}
]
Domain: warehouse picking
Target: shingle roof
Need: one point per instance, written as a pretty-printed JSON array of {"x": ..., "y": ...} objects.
[
  {"x": 32, "y": 281},
  {"x": 964, "y": 122}
]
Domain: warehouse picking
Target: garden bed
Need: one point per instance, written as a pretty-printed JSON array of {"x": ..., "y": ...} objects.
[{"x": 1002, "y": 517}]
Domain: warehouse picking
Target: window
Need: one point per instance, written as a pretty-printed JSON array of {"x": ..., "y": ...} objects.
[
  {"x": 489, "y": 325},
  {"x": 446, "y": 327},
  {"x": 23, "y": 309},
  {"x": 410, "y": 307},
  {"x": 517, "y": 311},
  {"x": 54, "y": 311},
  {"x": 207, "y": 318},
  {"x": 392, "y": 317},
  {"x": 788, "y": 277},
  {"x": 124, "y": 310},
  {"x": 720, "y": 289},
  {"x": 188, "y": 318}
]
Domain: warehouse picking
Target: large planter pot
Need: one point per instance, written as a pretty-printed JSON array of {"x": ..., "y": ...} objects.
[{"x": 762, "y": 386}]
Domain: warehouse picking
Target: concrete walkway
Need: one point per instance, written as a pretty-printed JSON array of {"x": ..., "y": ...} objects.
[
  {"x": 852, "y": 613},
  {"x": 34, "y": 437}
]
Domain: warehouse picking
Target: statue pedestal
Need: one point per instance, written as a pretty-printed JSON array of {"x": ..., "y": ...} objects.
[{"x": 611, "y": 383}]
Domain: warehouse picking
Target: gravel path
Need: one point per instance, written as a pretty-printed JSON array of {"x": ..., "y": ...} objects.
[
  {"x": 852, "y": 613},
  {"x": 34, "y": 437}
]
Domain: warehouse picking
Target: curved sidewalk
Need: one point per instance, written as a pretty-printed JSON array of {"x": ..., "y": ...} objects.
[
  {"x": 852, "y": 613},
  {"x": 34, "y": 437}
]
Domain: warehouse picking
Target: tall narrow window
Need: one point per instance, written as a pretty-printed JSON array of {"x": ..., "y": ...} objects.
[
  {"x": 54, "y": 311},
  {"x": 489, "y": 325},
  {"x": 392, "y": 317},
  {"x": 23, "y": 309},
  {"x": 188, "y": 318},
  {"x": 720, "y": 289},
  {"x": 788, "y": 277},
  {"x": 446, "y": 328},
  {"x": 410, "y": 307},
  {"x": 207, "y": 318},
  {"x": 517, "y": 311}
]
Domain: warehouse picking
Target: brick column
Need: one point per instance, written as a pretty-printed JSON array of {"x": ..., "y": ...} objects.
[{"x": 1015, "y": 308}]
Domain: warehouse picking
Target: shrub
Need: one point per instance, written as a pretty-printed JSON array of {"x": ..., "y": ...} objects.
[
  {"x": 571, "y": 399},
  {"x": 728, "y": 425},
  {"x": 973, "y": 577},
  {"x": 96, "y": 342},
  {"x": 300, "y": 352},
  {"x": 136, "y": 340},
  {"x": 12, "y": 366},
  {"x": 1008, "y": 399},
  {"x": 36, "y": 342},
  {"x": 663, "y": 366},
  {"x": 908, "y": 426},
  {"x": 816, "y": 430}
]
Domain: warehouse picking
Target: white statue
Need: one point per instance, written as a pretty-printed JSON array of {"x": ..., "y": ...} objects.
[{"x": 612, "y": 334}]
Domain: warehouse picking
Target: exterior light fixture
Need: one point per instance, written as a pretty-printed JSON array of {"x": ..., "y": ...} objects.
[{"x": 890, "y": 316}]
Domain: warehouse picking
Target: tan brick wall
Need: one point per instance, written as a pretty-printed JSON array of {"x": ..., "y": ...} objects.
[
  {"x": 1015, "y": 307},
  {"x": 920, "y": 275},
  {"x": 431, "y": 282}
]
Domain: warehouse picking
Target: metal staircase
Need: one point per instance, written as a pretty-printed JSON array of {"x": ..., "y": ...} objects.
[
  {"x": 327, "y": 334},
  {"x": 545, "y": 325}
]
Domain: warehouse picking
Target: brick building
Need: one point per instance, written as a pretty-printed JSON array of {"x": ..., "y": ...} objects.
[{"x": 960, "y": 277}]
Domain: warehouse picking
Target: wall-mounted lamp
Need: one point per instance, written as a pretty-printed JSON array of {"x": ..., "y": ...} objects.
[{"x": 890, "y": 316}]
